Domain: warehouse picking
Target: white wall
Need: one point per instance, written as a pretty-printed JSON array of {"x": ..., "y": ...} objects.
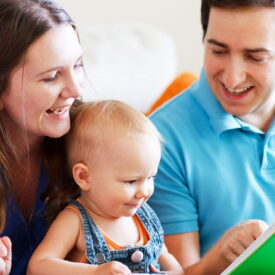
[{"x": 179, "y": 18}]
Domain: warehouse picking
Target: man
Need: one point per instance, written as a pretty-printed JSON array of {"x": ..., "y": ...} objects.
[{"x": 218, "y": 164}]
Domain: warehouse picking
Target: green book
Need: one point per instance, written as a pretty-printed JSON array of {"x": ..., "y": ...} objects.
[{"x": 258, "y": 258}]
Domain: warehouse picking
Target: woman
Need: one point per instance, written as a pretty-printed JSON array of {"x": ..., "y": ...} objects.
[{"x": 41, "y": 75}]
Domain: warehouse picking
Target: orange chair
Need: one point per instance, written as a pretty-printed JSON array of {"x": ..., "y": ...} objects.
[{"x": 180, "y": 83}]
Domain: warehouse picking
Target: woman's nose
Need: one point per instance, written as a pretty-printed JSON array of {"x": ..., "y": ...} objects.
[{"x": 73, "y": 87}]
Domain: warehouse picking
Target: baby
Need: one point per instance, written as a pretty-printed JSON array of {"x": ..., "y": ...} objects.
[{"x": 113, "y": 152}]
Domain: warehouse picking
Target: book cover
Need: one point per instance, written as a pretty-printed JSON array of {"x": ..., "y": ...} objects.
[{"x": 258, "y": 258}]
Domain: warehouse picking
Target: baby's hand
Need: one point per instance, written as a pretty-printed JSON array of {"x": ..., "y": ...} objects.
[
  {"x": 238, "y": 238},
  {"x": 113, "y": 268},
  {"x": 5, "y": 256},
  {"x": 154, "y": 270}
]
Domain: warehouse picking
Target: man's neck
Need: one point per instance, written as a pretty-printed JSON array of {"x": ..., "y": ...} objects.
[{"x": 261, "y": 120}]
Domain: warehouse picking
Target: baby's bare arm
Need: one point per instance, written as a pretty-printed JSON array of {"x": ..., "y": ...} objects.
[
  {"x": 61, "y": 238},
  {"x": 168, "y": 263}
]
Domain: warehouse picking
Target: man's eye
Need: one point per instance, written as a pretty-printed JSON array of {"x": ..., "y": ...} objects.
[
  {"x": 218, "y": 52},
  {"x": 257, "y": 59}
]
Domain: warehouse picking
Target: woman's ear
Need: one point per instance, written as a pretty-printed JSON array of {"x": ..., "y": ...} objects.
[{"x": 81, "y": 176}]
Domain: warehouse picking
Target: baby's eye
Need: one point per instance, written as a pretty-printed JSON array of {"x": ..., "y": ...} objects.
[
  {"x": 130, "y": 181},
  {"x": 151, "y": 178}
]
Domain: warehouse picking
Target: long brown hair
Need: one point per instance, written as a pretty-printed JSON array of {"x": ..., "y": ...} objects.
[
  {"x": 61, "y": 186},
  {"x": 22, "y": 22}
]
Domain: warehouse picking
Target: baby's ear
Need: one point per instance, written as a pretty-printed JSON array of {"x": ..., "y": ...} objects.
[{"x": 81, "y": 176}]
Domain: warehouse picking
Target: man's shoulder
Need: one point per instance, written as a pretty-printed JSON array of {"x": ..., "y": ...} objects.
[
  {"x": 187, "y": 102},
  {"x": 184, "y": 109},
  {"x": 176, "y": 106}
]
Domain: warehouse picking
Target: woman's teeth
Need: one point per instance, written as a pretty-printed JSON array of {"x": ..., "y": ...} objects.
[{"x": 57, "y": 111}]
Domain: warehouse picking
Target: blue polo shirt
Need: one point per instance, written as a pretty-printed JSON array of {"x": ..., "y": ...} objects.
[
  {"x": 215, "y": 171},
  {"x": 25, "y": 236}
]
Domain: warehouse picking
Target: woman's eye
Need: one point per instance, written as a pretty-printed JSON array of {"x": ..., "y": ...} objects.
[
  {"x": 78, "y": 65},
  {"x": 52, "y": 78}
]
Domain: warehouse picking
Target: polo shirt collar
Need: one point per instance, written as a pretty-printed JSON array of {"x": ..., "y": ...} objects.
[
  {"x": 220, "y": 120},
  {"x": 271, "y": 130}
]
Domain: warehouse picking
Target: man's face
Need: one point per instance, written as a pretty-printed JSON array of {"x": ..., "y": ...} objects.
[{"x": 240, "y": 60}]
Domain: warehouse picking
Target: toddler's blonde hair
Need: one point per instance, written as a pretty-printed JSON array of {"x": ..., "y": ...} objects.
[{"x": 96, "y": 123}]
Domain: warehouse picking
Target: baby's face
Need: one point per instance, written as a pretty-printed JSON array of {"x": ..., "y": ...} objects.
[{"x": 122, "y": 178}]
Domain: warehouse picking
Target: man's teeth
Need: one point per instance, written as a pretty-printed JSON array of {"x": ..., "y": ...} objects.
[{"x": 237, "y": 91}]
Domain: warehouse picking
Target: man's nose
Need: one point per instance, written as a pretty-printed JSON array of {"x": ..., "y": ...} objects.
[{"x": 234, "y": 73}]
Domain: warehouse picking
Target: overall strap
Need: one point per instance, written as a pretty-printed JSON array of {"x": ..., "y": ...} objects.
[
  {"x": 96, "y": 248},
  {"x": 154, "y": 228},
  {"x": 150, "y": 220}
]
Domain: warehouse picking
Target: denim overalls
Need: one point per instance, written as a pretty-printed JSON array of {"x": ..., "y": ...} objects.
[{"x": 97, "y": 250}]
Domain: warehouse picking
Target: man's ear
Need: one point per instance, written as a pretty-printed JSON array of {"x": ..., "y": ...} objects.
[{"x": 81, "y": 175}]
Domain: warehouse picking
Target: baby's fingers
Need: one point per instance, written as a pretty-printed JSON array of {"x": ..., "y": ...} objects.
[
  {"x": 5, "y": 257},
  {"x": 5, "y": 247},
  {"x": 153, "y": 269}
]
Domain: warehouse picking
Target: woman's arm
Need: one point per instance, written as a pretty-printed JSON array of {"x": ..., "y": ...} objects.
[{"x": 61, "y": 238}]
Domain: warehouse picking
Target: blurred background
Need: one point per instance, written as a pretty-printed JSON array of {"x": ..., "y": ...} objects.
[{"x": 128, "y": 43}]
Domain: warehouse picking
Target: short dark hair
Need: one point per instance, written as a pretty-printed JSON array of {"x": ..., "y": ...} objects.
[{"x": 206, "y": 5}]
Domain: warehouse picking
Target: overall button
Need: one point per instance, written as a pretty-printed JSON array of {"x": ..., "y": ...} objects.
[
  {"x": 100, "y": 258},
  {"x": 137, "y": 256}
]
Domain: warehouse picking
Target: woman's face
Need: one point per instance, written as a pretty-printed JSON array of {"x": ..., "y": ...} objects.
[{"x": 44, "y": 86}]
